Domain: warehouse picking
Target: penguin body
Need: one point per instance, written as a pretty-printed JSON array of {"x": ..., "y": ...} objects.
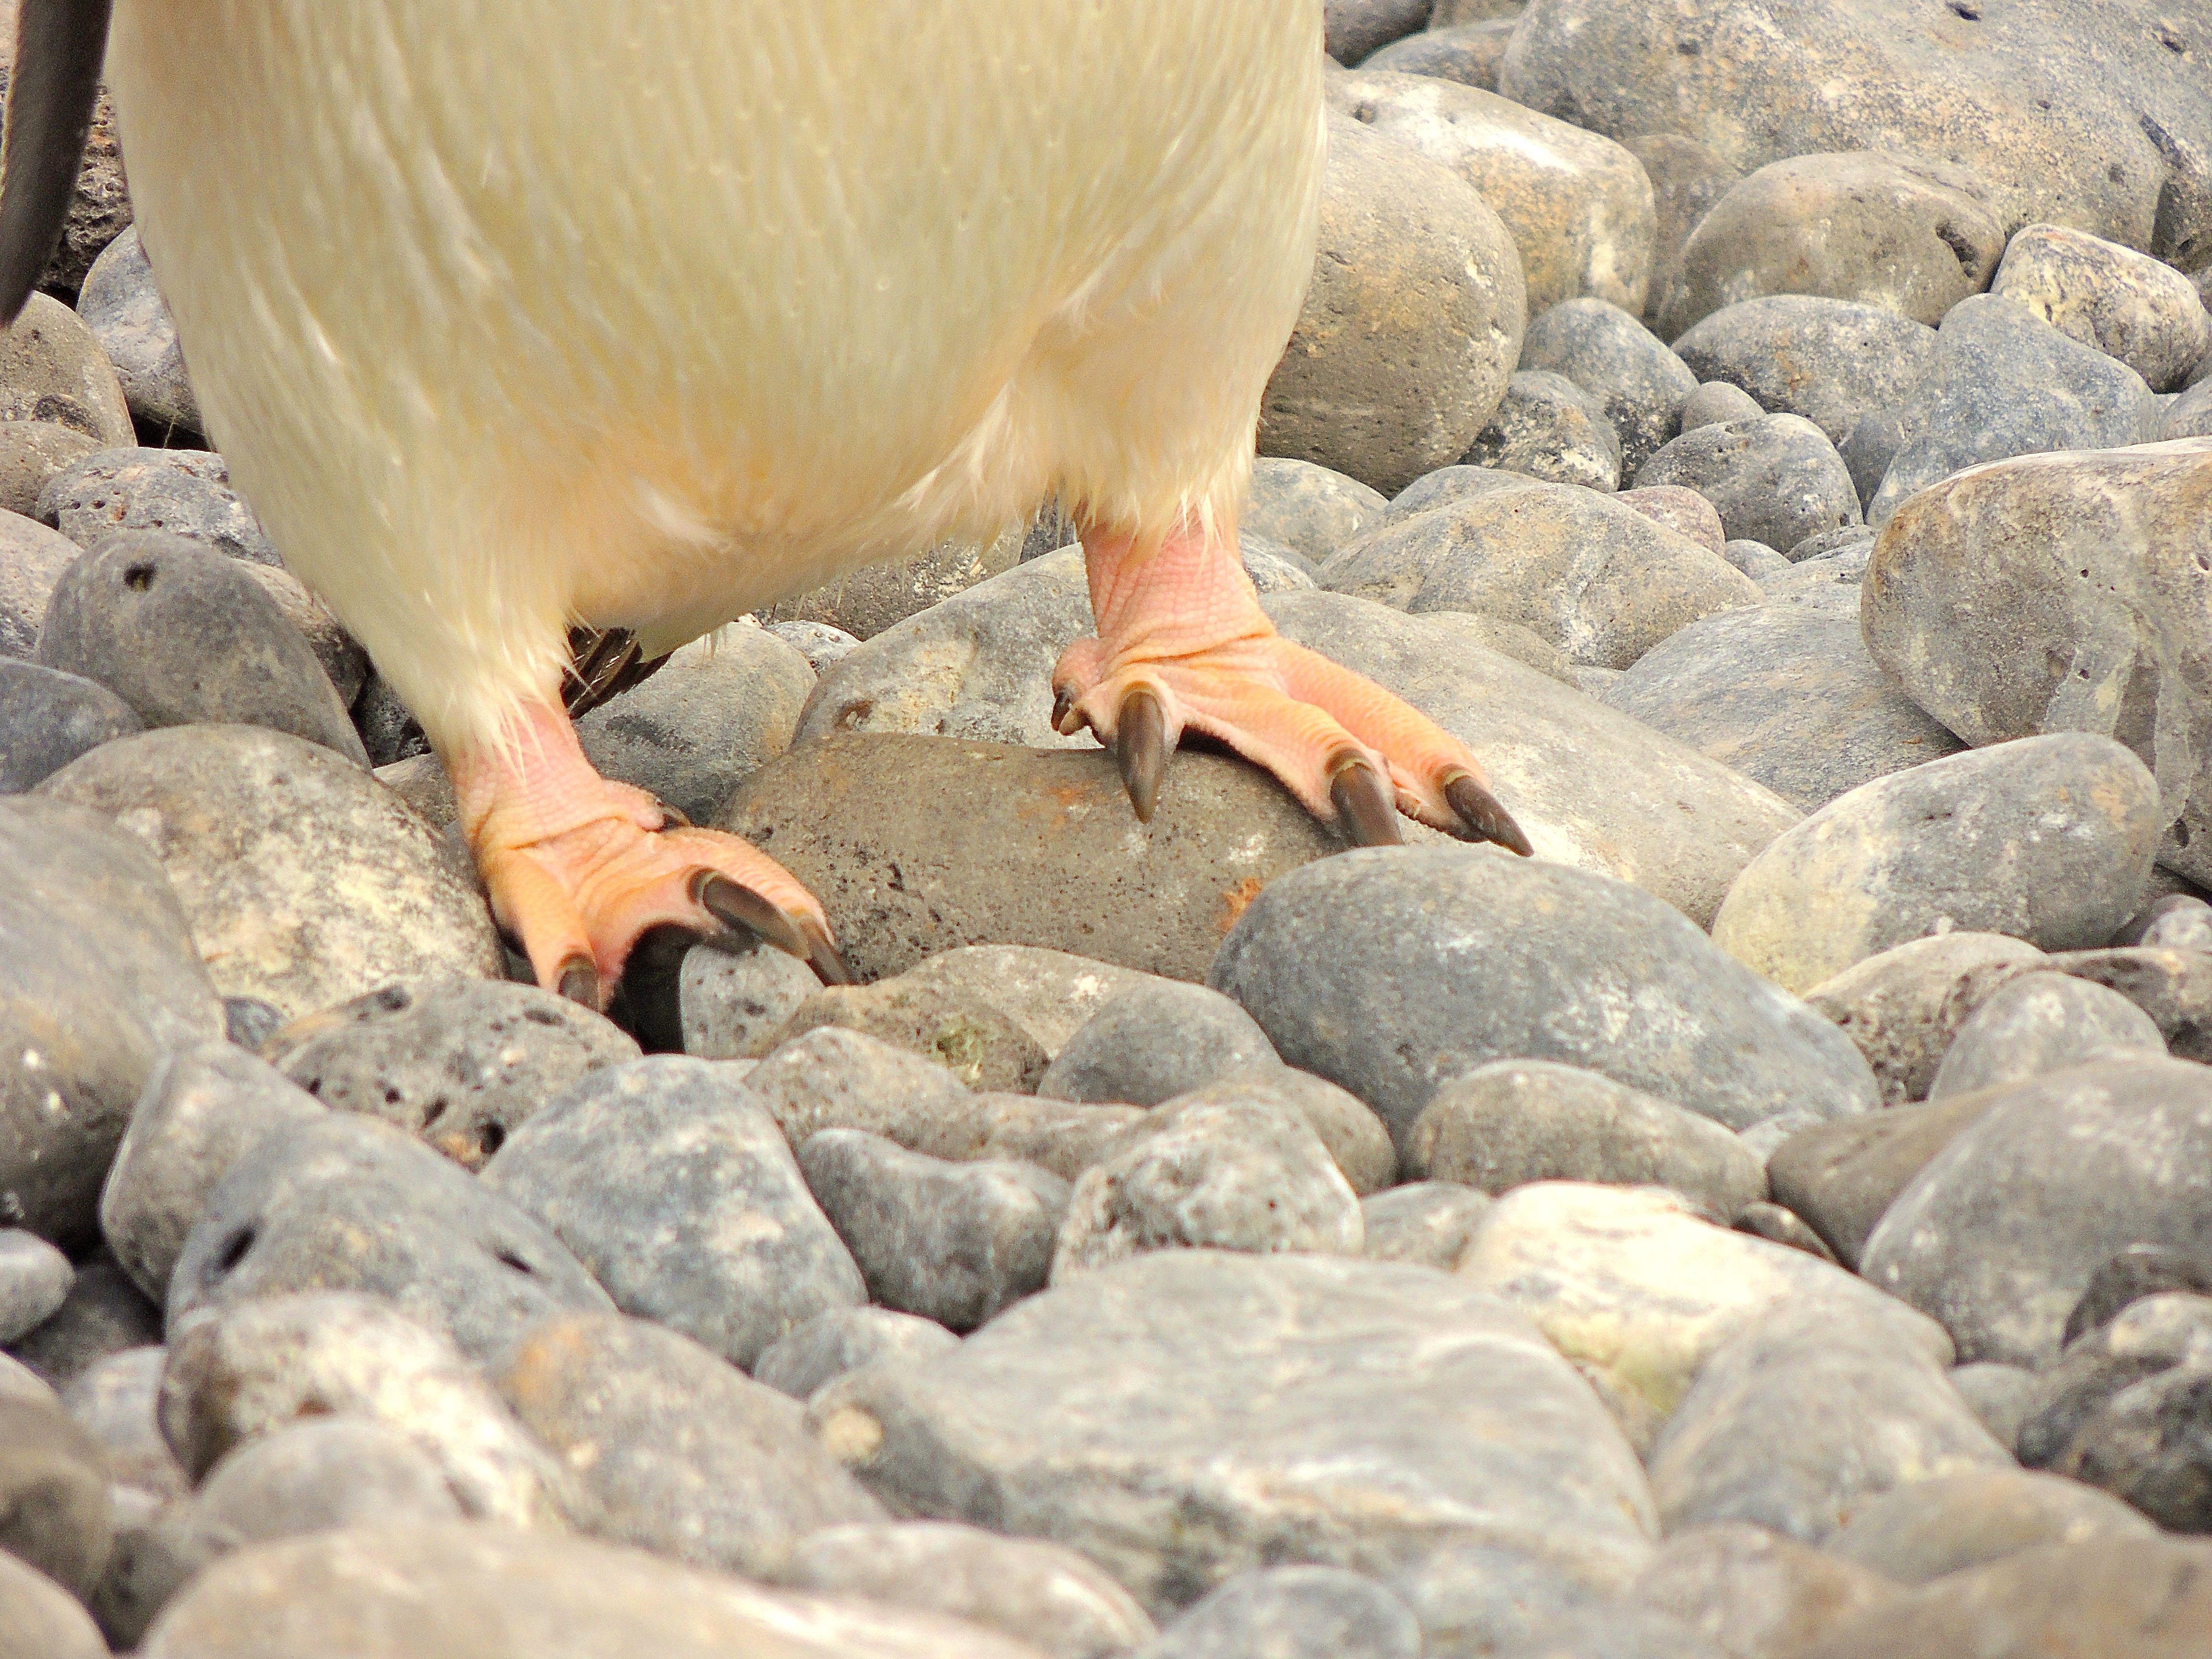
[{"x": 513, "y": 316}]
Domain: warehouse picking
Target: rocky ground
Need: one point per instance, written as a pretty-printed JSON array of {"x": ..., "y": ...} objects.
[{"x": 1775, "y": 1221}]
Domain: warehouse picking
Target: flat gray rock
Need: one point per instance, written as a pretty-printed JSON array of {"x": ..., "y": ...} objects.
[
  {"x": 1105, "y": 1412},
  {"x": 1773, "y": 479},
  {"x": 184, "y": 491},
  {"x": 1977, "y": 604},
  {"x": 1831, "y": 360},
  {"x": 1352, "y": 968},
  {"x": 676, "y": 1189},
  {"x": 1153, "y": 1041},
  {"x": 346, "y": 1202},
  {"x": 2047, "y": 839},
  {"x": 1998, "y": 1235}
]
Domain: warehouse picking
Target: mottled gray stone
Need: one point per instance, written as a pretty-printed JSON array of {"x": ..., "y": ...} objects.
[
  {"x": 1153, "y": 1041},
  {"x": 1352, "y": 30},
  {"x": 52, "y": 368},
  {"x": 54, "y": 1509},
  {"x": 2173, "y": 987},
  {"x": 1411, "y": 326},
  {"x": 2006, "y": 383},
  {"x": 39, "y": 1619},
  {"x": 955, "y": 1242},
  {"x": 1035, "y": 1592},
  {"x": 1921, "y": 1531},
  {"x": 1591, "y": 575},
  {"x": 1906, "y": 233},
  {"x": 1640, "y": 1292},
  {"x": 2000, "y": 1395},
  {"x": 2189, "y": 415},
  {"x": 1774, "y": 478},
  {"x": 1786, "y": 695},
  {"x": 2039, "y": 1023},
  {"x": 103, "y": 977},
  {"x": 1226, "y": 1385},
  {"x": 2047, "y": 839},
  {"x": 326, "y": 1471},
  {"x": 1351, "y": 969},
  {"x": 185, "y": 636},
  {"x": 31, "y": 453},
  {"x": 674, "y": 1451},
  {"x": 1977, "y": 604},
  {"x": 819, "y": 642},
  {"x": 949, "y": 1025},
  {"x": 2139, "y": 1271},
  {"x": 1472, "y": 1599},
  {"x": 675, "y": 1188},
  {"x": 1716, "y": 403},
  {"x": 1681, "y": 510},
  {"x": 346, "y": 1202},
  {"x": 1638, "y": 383},
  {"x": 1829, "y": 584},
  {"x": 1051, "y": 994},
  {"x": 465, "y": 1591},
  {"x": 1468, "y": 52},
  {"x": 202, "y": 1107},
  {"x": 736, "y": 1000},
  {"x": 865, "y": 602},
  {"x": 1998, "y": 1235},
  {"x": 1355, "y": 1137},
  {"x": 1425, "y": 1222},
  {"x": 1293, "y": 1613},
  {"x": 1869, "y": 447},
  {"x": 459, "y": 1063},
  {"x": 105, "y": 1314},
  {"x": 1307, "y": 508},
  {"x": 1903, "y": 1006},
  {"x": 123, "y": 307},
  {"x": 2171, "y": 921},
  {"x": 1687, "y": 178},
  {"x": 35, "y": 1282},
  {"x": 1804, "y": 1417},
  {"x": 115, "y": 1400},
  {"x": 304, "y": 880},
  {"x": 184, "y": 491},
  {"x": 1212, "y": 1175},
  {"x": 2126, "y": 304},
  {"x": 48, "y": 717},
  {"x": 844, "y": 1339},
  {"x": 1550, "y": 429},
  {"x": 1752, "y": 1593},
  {"x": 1512, "y": 1122},
  {"x": 1842, "y": 1177},
  {"x": 1578, "y": 206}
]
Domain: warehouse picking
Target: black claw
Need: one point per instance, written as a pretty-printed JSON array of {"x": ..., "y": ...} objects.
[
  {"x": 1365, "y": 805},
  {"x": 1140, "y": 748},
  {"x": 1486, "y": 820},
  {"x": 737, "y": 907},
  {"x": 823, "y": 956},
  {"x": 1063, "y": 709},
  {"x": 579, "y": 981}
]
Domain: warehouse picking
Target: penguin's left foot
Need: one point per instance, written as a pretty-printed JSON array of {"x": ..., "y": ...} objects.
[
  {"x": 579, "y": 868},
  {"x": 1183, "y": 645}
]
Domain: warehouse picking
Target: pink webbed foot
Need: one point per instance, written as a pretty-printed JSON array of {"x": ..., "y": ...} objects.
[
  {"x": 578, "y": 868},
  {"x": 1182, "y": 646}
]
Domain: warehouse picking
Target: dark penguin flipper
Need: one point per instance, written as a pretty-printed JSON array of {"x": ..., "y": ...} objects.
[{"x": 59, "y": 47}]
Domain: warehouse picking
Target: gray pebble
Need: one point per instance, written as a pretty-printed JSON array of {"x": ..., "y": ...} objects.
[
  {"x": 116, "y": 1400},
  {"x": 1637, "y": 382},
  {"x": 952, "y": 1242},
  {"x": 1355, "y": 1137},
  {"x": 1716, "y": 403},
  {"x": 52, "y": 368},
  {"x": 53, "y": 1495},
  {"x": 34, "y": 1281},
  {"x": 347, "y": 1202},
  {"x": 673, "y": 1184},
  {"x": 2126, "y": 304},
  {"x": 326, "y": 1471},
  {"x": 1774, "y": 478},
  {"x": 675, "y": 1451},
  {"x": 1425, "y": 1222},
  {"x": 1926, "y": 1528},
  {"x": 2038, "y": 1023},
  {"x": 1752, "y": 1592},
  {"x": 48, "y": 717},
  {"x": 105, "y": 1314},
  {"x": 1833, "y": 361},
  {"x": 844, "y": 1339},
  {"x": 1903, "y": 1006},
  {"x": 123, "y": 309},
  {"x": 1550, "y": 429},
  {"x": 1308, "y": 508},
  {"x": 737, "y": 999},
  {"x": 949, "y": 1025},
  {"x": 459, "y": 1063},
  {"x": 821, "y": 644},
  {"x": 1153, "y": 1041},
  {"x": 39, "y": 1619},
  {"x": 184, "y": 491},
  {"x": 1841, "y": 1177},
  {"x": 2000, "y": 1395},
  {"x": 1869, "y": 447}
]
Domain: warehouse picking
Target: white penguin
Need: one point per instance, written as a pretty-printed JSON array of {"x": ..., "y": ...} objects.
[{"x": 513, "y": 317}]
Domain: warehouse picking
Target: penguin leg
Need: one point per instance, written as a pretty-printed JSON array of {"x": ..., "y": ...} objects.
[
  {"x": 578, "y": 868},
  {"x": 1183, "y": 645}
]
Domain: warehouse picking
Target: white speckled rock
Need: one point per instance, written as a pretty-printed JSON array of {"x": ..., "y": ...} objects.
[{"x": 2126, "y": 304}]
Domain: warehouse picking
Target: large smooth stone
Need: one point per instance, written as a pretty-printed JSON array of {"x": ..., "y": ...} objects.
[
  {"x": 1998, "y": 1235},
  {"x": 1550, "y": 430},
  {"x": 2127, "y": 305},
  {"x": 318, "y": 1472},
  {"x": 123, "y": 307},
  {"x": 102, "y": 979},
  {"x": 32, "y": 560},
  {"x": 844, "y": 1339},
  {"x": 1806, "y": 1414},
  {"x": 1592, "y": 576},
  {"x": 2042, "y": 1023},
  {"x": 1341, "y": 1413},
  {"x": 2059, "y": 120},
  {"x": 462, "y": 1591},
  {"x": 1307, "y": 508},
  {"x": 675, "y": 1451},
  {"x": 1411, "y": 326},
  {"x": 1632, "y": 1281},
  {"x": 2048, "y": 839},
  {"x": 2063, "y": 593},
  {"x": 39, "y": 1619},
  {"x": 1785, "y": 694},
  {"x": 1578, "y": 206},
  {"x": 52, "y": 368},
  {"x": 305, "y": 881},
  {"x": 1902, "y": 231},
  {"x": 1920, "y": 1531},
  {"x": 1773, "y": 479},
  {"x": 2006, "y": 383},
  {"x": 673, "y": 1184},
  {"x": 347, "y": 1202},
  {"x": 1390, "y": 971},
  {"x": 184, "y": 491},
  {"x": 1830, "y": 360},
  {"x": 1903, "y": 1006}
]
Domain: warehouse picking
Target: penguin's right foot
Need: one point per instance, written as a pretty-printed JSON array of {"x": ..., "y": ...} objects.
[{"x": 579, "y": 868}]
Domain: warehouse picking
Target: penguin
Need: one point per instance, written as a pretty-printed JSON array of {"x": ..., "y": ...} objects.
[{"x": 517, "y": 317}]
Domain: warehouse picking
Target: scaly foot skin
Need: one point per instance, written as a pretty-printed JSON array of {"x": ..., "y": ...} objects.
[
  {"x": 579, "y": 868},
  {"x": 1182, "y": 646}
]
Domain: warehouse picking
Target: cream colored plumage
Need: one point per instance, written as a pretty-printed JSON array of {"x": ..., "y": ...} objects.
[{"x": 644, "y": 312}]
